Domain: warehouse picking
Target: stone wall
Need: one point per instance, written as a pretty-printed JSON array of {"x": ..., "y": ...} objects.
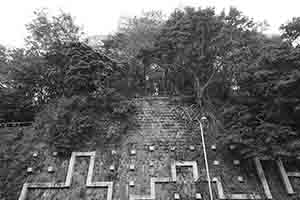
[{"x": 159, "y": 158}]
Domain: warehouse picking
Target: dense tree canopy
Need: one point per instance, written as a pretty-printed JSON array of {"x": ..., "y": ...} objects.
[
  {"x": 65, "y": 84},
  {"x": 266, "y": 121},
  {"x": 202, "y": 44},
  {"x": 223, "y": 58},
  {"x": 47, "y": 32},
  {"x": 253, "y": 77},
  {"x": 136, "y": 33}
]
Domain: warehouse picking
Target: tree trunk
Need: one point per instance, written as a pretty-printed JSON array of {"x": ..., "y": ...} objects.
[{"x": 198, "y": 91}]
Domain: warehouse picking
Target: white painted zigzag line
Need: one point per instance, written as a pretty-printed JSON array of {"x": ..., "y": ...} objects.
[
  {"x": 217, "y": 180},
  {"x": 67, "y": 183},
  {"x": 173, "y": 178},
  {"x": 223, "y": 196}
]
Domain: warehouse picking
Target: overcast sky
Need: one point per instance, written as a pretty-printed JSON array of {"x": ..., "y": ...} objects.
[{"x": 101, "y": 16}]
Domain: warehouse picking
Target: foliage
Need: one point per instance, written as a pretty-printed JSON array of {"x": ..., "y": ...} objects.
[
  {"x": 134, "y": 34},
  {"x": 69, "y": 84},
  {"x": 263, "y": 117},
  {"x": 291, "y": 31},
  {"x": 84, "y": 98},
  {"x": 16, "y": 102},
  {"x": 26, "y": 71},
  {"x": 198, "y": 42},
  {"x": 223, "y": 58},
  {"x": 46, "y": 32},
  {"x": 15, "y": 106},
  {"x": 70, "y": 123},
  {"x": 76, "y": 69}
]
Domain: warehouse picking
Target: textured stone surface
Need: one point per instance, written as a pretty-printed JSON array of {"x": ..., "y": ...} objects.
[{"x": 153, "y": 176}]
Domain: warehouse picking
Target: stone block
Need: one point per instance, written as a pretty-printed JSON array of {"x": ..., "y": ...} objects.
[
  {"x": 50, "y": 169},
  {"x": 213, "y": 147},
  {"x": 214, "y": 179},
  {"x": 216, "y": 162},
  {"x": 151, "y": 163},
  {"x": 173, "y": 148},
  {"x": 113, "y": 152},
  {"x": 29, "y": 170},
  {"x": 112, "y": 168},
  {"x": 232, "y": 147},
  {"x": 131, "y": 183},
  {"x": 198, "y": 196},
  {"x": 55, "y": 153},
  {"x": 176, "y": 196},
  {"x": 35, "y": 154},
  {"x": 192, "y": 148},
  {"x": 240, "y": 179},
  {"x": 151, "y": 148},
  {"x": 133, "y": 152},
  {"x": 236, "y": 162},
  {"x": 131, "y": 167}
]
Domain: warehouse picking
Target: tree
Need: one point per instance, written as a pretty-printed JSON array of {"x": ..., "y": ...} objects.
[
  {"x": 87, "y": 95},
  {"x": 200, "y": 42},
  {"x": 262, "y": 119},
  {"x": 134, "y": 34},
  {"x": 47, "y": 32},
  {"x": 28, "y": 72},
  {"x": 291, "y": 31},
  {"x": 30, "y": 67}
]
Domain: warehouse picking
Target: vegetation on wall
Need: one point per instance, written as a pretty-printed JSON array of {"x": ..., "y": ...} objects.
[
  {"x": 246, "y": 79},
  {"x": 249, "y": 80},
  {"x": 85, "y": 98},
  {"x": 66, "y": 85},
  {"x": 262, "y": 118}
]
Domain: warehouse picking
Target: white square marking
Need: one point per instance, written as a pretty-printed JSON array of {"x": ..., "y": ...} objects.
[
  {"x": 112, "y": 168},
  {"x": 198, "y": 196},
  {"x": 151, "y": 163},
  {"x": 216, "y": 162},
  {"x": 192, "y": 148},
  {"x": 240, "y": 179},
  {"x": 131, "y": 183},
  {"x": 29, "y": 170},
  {"x": 215, "y": 179},
  {"x": 236, "y": 162},
  {"x": 131, "y": 167},
  {"x": 232, "y": 147},
  {"x": 50, "y": 169},
  {"x": 151, "y": 148},
  {"x": 176, "y": 196},
  {"x": 133, "y": 152},
  {"x": 213, "y": 147}
]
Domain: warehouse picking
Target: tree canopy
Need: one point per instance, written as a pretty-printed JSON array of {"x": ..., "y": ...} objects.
[{"x": 249, "y": 79}]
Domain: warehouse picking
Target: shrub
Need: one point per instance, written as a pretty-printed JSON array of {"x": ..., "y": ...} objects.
[{"x": 70, "y": 123}]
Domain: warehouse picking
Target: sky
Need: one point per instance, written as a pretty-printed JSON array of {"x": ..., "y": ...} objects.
[{"x": 101, "y": 17}]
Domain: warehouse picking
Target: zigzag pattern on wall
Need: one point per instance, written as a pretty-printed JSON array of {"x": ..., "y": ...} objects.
[
  {"x": 67, "y": 183},
  {"x": 157, "y": 180},
  {"x": 220, "y": 191}
]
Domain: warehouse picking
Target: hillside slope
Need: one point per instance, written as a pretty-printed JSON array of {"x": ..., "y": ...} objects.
[{"x": 140, "y": 166}]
